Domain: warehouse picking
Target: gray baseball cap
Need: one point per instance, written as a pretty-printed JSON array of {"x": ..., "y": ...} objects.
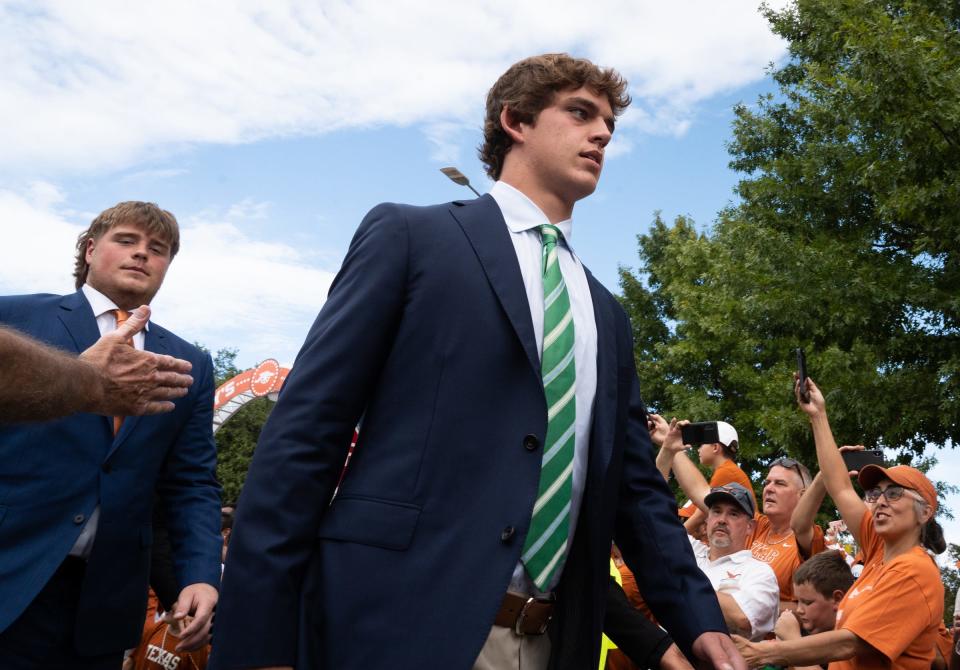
[{"x": 734, "y": 493}]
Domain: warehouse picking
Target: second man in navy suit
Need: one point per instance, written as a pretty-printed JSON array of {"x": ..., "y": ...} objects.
[{"x": 76, "y": 494}]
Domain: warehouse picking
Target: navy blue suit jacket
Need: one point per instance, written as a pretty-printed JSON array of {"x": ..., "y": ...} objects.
[
  {"x": 54, "y": 473},
  {"x": 427, "y": 336}
]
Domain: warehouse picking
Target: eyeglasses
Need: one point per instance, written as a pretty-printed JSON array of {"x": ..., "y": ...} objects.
[
  {"x": 790, "y": 464},
  {"x": 891, "y": 493}
]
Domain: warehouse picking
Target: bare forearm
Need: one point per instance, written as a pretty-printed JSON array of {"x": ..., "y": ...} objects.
[
  {"x": 734, "y": 617},
  {"x": 832, "y": 468},
  {"x": 801, "y": 521},
  {"x": 834, "y": 645},
  {"x": 40, "y": 382},
  {"x": 690, "y": 479},
  {"x": 664, "y": 463}
]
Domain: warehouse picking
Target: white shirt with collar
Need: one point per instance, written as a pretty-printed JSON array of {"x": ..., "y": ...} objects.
[
  {"x": 104, "y": 311},
  {"x": 523, "y": 217},
  {"x": 751, "y": 583}
]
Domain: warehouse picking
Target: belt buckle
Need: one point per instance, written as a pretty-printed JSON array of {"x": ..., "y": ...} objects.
[{"x": 523, "y": 613}]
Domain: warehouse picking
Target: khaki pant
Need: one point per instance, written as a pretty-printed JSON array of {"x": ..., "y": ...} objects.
[{"x": 505, "y": 650}]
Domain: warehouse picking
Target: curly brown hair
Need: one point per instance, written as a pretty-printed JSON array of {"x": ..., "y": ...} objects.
[
  {"x": 146, "y": 215},
  {"x": 528, "y": 87}
]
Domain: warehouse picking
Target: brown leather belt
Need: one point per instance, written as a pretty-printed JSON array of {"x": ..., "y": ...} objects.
[{"x": 525, "y": 615}]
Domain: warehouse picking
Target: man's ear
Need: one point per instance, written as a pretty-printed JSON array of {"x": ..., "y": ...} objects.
[
  {"x": 837, "y": 597},
  {"x": 511, "y": 126},
  {"x": 91, "y": 243}
]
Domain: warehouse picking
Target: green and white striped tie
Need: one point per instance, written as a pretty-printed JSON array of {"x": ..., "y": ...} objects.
[{"x": 549, "y": 531}]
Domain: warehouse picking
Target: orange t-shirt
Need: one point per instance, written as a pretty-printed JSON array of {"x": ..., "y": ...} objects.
[
  {"x": 895, "y": 607},
  {"x": 157, "y": 649},
  {"x": 729, "y": 472},
  {"x": 781, "y": 553},
  {"x": 944, "y": 642}
]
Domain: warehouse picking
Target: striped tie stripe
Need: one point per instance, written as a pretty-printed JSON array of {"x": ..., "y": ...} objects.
[{"x": 547, "y": 538}]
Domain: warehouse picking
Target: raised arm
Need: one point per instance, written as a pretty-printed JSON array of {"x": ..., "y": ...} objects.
[
  {"x": 801, "y": 521},
  {"x": 832, "y": 467}
]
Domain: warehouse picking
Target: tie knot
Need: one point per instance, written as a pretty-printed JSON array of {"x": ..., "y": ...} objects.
[
  {"x": 549, "y": 234},
  {"x": 122, "y": 316}
]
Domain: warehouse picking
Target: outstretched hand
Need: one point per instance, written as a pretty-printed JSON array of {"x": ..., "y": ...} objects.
[
  {"x": 719, "y": 651},
  {"x": 134, "y": 382}
]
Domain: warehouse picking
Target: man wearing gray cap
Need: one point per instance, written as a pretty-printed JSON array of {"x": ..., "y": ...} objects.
[{"x": 746, "y": 588}]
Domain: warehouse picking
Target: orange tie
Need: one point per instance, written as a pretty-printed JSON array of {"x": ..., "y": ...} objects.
[{"x": 122, "y": 316}]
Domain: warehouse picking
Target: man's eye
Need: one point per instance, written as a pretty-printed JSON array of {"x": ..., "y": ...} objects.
[{"x": 578, "y": 112}]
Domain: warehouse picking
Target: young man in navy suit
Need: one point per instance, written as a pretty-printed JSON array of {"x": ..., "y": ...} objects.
[
  {"x": 76, "y": 494},
  {"x": 502, "y": 444}
]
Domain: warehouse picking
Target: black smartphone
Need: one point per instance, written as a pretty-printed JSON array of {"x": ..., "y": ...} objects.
[
  {"x": 802, "y": 375},
  {"x": 857, "y": 460},
  {"x": 705, "y": 432}
]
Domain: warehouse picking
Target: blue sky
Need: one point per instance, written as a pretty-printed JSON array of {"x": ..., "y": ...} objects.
[{"x": 270, "y": 129}]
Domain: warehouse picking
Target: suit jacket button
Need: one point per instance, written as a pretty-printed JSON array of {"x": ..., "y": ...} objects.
[
  {"x": 507, "y": 534},
  {"x": 530, "y": 442},
  {"x": 79, "y": 518}
]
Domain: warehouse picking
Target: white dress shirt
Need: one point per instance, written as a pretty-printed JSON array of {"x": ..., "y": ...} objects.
[
  {"x": 751, "y": 583},
  {"x": 103, "y": 309},
  {"x": 523, "y": 217}
]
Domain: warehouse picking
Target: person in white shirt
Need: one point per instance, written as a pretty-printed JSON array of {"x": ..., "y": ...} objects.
[{"x": 746, "y": 588}]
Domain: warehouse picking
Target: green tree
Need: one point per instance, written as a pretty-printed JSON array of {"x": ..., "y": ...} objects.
[{"x": 844, "y": 242}]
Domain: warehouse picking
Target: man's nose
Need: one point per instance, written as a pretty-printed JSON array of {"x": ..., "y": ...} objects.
[{"x": 601, "y": 134}]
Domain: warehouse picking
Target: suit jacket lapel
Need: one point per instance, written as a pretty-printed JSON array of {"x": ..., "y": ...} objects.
[
  {"x": 483, "y": 224},
  {"x": 78, "y": 319}
]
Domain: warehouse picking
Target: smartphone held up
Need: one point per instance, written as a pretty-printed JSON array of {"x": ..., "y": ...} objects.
[{"x": 802, "y": 376}]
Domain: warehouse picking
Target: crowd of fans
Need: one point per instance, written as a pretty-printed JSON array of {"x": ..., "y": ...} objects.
[{"x": 792, "y": 595}]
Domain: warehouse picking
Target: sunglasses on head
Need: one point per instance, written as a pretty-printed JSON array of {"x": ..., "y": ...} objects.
[
  {"x": 891, "y": 493},
  {"x": 790, "y": 464}
]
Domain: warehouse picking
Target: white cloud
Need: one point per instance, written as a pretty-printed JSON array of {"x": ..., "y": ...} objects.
[
  {"x": 96, "y": 86},
  {"x": 224, "y": 288},
  {"x": 248, "y": 208}
]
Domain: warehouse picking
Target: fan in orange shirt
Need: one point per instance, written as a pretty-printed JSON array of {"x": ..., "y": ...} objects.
[{"x": 890, "y": 618}]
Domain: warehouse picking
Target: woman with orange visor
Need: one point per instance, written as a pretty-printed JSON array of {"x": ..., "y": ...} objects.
[{"x": 889, "y": 618}]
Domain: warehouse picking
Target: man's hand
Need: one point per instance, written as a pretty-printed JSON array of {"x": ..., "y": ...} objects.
[
  {"x": 673, "y": 441},
  {"x": 658, "y": 428},
  {"x": 134, "y": 382},
  {"x": 788, "y": 626},
  {"x": 719, "y": 651},
  {"x": 197, "y": 601},
  {"x": 754, "y": 655},
  {"x": 673, "y": 659},
  {"x": 817, "y": 406}
]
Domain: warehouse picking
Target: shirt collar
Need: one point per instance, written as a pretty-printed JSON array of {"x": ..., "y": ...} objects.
[
  {"x": 100, "y": 303},
  {"x": 522, "y": 214}
]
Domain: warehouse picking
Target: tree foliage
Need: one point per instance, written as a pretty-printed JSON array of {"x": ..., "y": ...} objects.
[
  {"x": 238, "y": 437},
  {"x": 845, "y": 242}
]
